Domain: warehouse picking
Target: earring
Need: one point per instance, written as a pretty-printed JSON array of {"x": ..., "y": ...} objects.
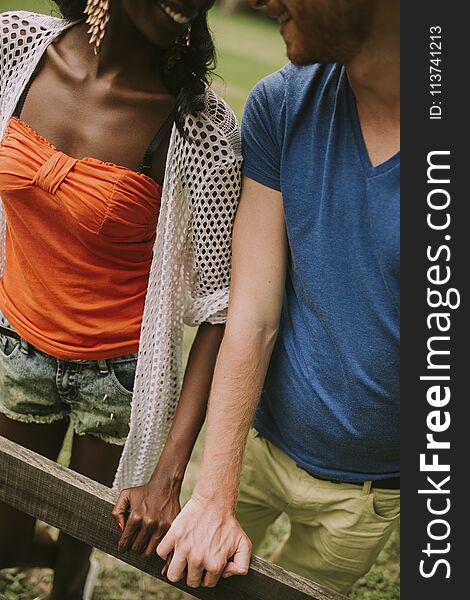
[
  {"x": 177, "y": 50},
  {"x": 187, "y": 37},
  {"x": 98, "y": 17}
]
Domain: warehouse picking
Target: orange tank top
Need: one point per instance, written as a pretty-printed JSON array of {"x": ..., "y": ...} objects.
[{"x": 79, "y": 245}]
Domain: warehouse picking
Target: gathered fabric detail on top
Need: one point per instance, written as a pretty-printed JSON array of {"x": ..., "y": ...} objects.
[{"x": 53, "y": 172}]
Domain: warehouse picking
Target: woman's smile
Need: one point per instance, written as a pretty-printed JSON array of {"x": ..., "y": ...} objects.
[{"x": 175, "y": 12}]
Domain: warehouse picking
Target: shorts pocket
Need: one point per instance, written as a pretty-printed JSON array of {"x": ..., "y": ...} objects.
[{"x": 123, "y": 376}]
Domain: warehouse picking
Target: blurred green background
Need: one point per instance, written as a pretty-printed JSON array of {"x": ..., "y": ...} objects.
[{"x": 249, "y": 48}]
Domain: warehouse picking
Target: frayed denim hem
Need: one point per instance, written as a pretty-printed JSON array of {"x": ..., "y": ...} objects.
[
  {"x": 109, "y": 439},
  {"x": 38, "y": 419}
]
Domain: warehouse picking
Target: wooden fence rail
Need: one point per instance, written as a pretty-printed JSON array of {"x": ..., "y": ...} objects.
[{"x": 82, "y": 508}]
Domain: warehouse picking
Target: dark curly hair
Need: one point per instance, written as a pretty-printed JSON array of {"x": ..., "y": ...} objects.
[{"x": 186, "y": 77}]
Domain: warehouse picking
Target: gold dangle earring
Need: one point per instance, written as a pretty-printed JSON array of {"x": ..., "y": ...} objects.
[
  {"x": 187, "y": 37},
  {"x": 175, "y": 53},
  {"x": 97, "y": 12}
]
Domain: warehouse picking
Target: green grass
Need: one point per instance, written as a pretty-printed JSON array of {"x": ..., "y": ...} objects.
[{"x": 248, "y": 50}]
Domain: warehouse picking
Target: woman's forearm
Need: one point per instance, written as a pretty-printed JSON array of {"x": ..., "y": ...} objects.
[{"x": 192, "y": 406}]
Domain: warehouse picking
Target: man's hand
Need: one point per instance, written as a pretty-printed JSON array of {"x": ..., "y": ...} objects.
[{"x": 208, "y": 542}]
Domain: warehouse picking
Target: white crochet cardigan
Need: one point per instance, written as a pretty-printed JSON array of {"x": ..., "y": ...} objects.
[{"x": 190, "y": 273}]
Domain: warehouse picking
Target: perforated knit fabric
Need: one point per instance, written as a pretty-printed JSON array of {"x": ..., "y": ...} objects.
[{"x": 190, "y": 273}]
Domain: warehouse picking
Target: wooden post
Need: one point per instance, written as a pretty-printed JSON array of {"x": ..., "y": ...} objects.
[{"x": 82, "y": 508}]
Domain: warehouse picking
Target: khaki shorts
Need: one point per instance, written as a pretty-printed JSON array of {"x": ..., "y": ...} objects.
[{"x": 337, "y": 529}]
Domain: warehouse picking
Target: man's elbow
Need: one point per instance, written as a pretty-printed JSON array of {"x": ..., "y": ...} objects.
[{"x": 251, "y": 334}]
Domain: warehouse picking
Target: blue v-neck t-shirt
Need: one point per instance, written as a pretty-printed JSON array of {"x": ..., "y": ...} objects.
[{"x": 331, "y": 396}]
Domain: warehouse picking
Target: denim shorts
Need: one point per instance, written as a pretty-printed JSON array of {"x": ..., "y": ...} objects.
[{"x": 38, "y": 388}]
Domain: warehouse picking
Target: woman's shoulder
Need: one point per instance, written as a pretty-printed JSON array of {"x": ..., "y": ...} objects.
[
  {"x": 22, "y": 32},
  {"x": 23, "y": 35},
  {"x": 219, "y": 122},
  {"x": 18, "y": 24}
]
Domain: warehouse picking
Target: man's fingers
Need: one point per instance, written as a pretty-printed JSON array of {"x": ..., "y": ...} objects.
[
  {"x": 233, "y": 569},
  {"x": 212, "y": 576},
  {"x": 167, "y": 544},
  {"x": 195, "y": 573},
  {"x": 230, "y": 570},
  {"x": 242, "y": 556},
  {"x": 177, "y": 567},
  {"x": 241, "y": 559},
  {"x": 197, "y": 545},
  {"x": 167, "y": 564}
]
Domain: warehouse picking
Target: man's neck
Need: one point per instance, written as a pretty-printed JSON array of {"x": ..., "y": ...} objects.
[
  {"x": 374, "y": 76},
  {"x": 374, "y": 73}
]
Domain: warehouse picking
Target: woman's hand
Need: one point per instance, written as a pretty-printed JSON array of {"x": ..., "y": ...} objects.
[{"x": 144, "y": 514}]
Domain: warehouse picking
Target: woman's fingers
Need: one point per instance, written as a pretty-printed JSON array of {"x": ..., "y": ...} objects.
[
  {"x": 152, "y": 544},
  {"x": 158, "y": 533},
  {"x": 131, "y": 530},
  {"x": 121, "y": 509},
  {"x": 141, "y": 522},
  {"x": 142, "y": 538}
]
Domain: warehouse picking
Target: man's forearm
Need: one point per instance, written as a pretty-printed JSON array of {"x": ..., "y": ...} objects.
[{"x": 239, "y": 377}]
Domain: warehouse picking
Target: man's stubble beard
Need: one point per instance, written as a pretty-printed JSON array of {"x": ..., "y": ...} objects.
[{"x": 333, "y": 37}]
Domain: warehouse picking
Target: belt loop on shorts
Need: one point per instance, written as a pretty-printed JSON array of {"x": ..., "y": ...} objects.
[
  {"x": 366, "y": 488},
  {"x": 103, "y": 367},
  {"x": 24, "y": 346}
]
